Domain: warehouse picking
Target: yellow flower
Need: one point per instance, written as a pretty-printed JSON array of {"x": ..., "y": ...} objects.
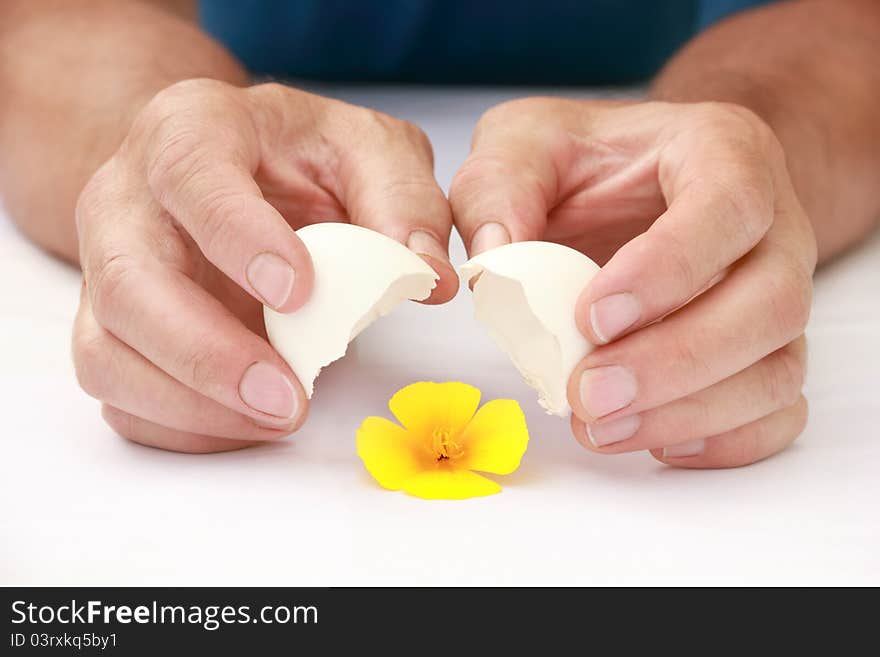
[{"x": 443, "y": 439}]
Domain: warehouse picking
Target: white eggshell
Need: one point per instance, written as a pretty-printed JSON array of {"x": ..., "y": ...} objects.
[
  {"x": 360, "y": 275},
  {"x": 525, "y": 295}
]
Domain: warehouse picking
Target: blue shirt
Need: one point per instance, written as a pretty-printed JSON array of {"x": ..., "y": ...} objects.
[{"x": 460, "y": 41}]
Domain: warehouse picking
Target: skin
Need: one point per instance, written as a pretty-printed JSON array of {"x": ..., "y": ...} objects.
[
  {"x": 180, "y": 178},
  {"x": 709, "y": 206}
]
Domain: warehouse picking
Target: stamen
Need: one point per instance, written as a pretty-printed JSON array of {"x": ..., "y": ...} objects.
[{"x": 443, "y": 446}]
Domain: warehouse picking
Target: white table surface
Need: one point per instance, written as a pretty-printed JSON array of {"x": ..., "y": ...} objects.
[{"x": 78, "y": 505}]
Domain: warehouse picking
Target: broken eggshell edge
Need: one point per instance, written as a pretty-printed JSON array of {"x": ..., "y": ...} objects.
[
  {"x": 360, "y": 275},
  {"x": 525, "y": 295}
]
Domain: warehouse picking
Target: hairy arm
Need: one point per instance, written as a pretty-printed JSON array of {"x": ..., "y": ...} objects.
[
  {"x": 73, "y": 74},
  {"x": 810, "y": 69}
]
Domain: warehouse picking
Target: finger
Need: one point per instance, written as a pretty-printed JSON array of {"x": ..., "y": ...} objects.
[
  {"x": 742, "y": 446},
  {"x": 760, "y": 306},
  {"x": 387, "y": 184},
  {"x": 773, "y": 383},
  {"x": 150, "y": 434},
  {"x": 200, "y": 168},
  {"x": 117, "y": 375},
  {"x": 719, "y": 180},
  {"x": 504, "y": 191},
  {"x": 178, "y": 326}
]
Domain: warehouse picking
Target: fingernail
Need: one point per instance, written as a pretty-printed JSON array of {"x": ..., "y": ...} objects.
[
  {"x": 607, "y": 389},
  {"x": 264, "y": 388},
  {"x": 612, "y": 315},
  {"x": 424, "y": 243},
  {"x": 488, "y": 236},
  {"x": 689, "y": 448},
  {"x": 271, "y": 277},
  {"x": 613, "y": 431}
]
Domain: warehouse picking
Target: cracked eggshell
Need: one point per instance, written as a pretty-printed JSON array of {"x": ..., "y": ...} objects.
[
  {"x": 525, "y": 294},
  {"x": 360, "y": 275}
]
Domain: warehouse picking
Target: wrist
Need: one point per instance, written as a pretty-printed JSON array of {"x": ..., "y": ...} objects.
[{"x": 74, "y": 123}]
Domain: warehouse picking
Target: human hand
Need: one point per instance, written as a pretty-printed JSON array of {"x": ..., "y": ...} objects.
[
  {"x": 189, "y": 227},
  {"x": 690, "y": 210}
]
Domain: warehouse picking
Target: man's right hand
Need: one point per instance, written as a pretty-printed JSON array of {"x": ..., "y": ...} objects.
[{"x": 189, "y": 227}]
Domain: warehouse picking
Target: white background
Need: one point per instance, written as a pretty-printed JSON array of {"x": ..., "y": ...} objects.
[{"x": 79, "y": 505}]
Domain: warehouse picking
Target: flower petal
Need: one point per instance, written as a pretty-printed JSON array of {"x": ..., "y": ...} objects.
[
  {"x": 388, "y": 452},
  {"x": 448, "y": 484},
  {"x": 425, "y": 406},
  {"x": 496, "y": 439}
]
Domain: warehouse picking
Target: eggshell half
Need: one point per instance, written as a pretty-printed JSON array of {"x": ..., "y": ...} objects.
[
  {"x": 525, "y": 294},
  {"x": 360, "y": 275}
]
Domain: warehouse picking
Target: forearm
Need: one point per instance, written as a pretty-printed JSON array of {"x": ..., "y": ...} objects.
[
  {"x": 810, "y": 69},
  {"x": 74, "y": 74}
]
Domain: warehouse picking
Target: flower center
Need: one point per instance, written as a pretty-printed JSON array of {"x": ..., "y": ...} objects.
[{"x": 444, "y": 446}]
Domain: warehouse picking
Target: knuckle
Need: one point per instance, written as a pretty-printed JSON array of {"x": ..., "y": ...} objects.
[
  {"x": 747, "y": 197},
  {"x": 270, "y": 105},
  {"x": 108, "y": 284},
  {"x": 375, "y": 123},
  {"x": 741, "y": 186},
  {"x": 173, "y": 129},
  {"x": 160, "y": 107},
  {"x": 791, "y": 300},
  {"x": 272, "y": 92},
  {"x": 740, "y": 128},
  {"x": 217, "y": 232},
  {"x": 490, "y": 164},
  {"x": 180, "y": 96},
  {"x": 470, "y": 173},
  {"x": 419, "y": 139},
  {"x": 410, "y": 187},
  {"x": 468, "y": 183},
  {"x": 516, "y": 110},
  {"x": 694, "y": 412},
  {"x": 91, "y": 198},
  {"x": 472, "y": 194},
  {"x": 531, "y": 120},
  {"x": 673, "y": 256},
  {"x": 203, "y": 367},
  {"x": 724, "y": 115},
  {"x": 785, "y": 377},
  {"x": 160, "y": 111},
  {"x": 712, "y": 116},
  {"x": 89, "y": 354},
  {"x": 386, "y": 128},
  {"x": 473, "y": 168},
  {"x": 498, "y": 114},
  {"x": 683, "y": 269},
  {"x": 689, "y": 366},
  {"x": 173, "y": 161},
  {"x": 757, "y": 129}
]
